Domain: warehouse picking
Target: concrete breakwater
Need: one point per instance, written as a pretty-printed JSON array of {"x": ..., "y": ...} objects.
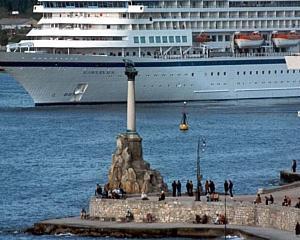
[{"x": 178, "y": 211}]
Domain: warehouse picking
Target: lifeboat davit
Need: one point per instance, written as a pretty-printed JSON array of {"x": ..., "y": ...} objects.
[
  {"x": 202, "y": 38},
  {"x": 248, "y": 40},
  {"x": 286, "y": 39}
]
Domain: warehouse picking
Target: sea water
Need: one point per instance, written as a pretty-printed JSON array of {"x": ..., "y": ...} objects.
[{"x": 52, "y": 157}]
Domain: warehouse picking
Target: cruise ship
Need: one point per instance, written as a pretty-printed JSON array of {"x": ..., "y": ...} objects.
[{"x": 183, "y": 50}]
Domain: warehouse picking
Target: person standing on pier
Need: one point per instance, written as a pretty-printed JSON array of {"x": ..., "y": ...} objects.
[
  {"x": 188, "y": 187},
  {"x": 206, "y": 187},
  {"x": 178, "y": 188},
  {"x": 294, "y": 166},
  {"x": 230, "y": 188},
  {"x": 191, "y": 188},
  {"x": 226, "y": 187},
  {"x": 174, "y": 187}
]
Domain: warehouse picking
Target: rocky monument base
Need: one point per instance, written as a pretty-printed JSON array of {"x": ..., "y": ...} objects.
[{"x": 129, "y": 171}]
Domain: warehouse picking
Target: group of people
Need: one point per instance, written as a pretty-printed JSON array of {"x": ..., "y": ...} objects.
[
  {"x": 209, "y": 187},
  {"x": 286, "y": 201},
  {"x": 176, "y": 188},
  {"x": 228, "y": 187},
  {"x": 268, "y": 200},
  {"x": 189, "y": 187},
  {"x": 117, "y": 193},
  {"x": 220, "y": 219}
]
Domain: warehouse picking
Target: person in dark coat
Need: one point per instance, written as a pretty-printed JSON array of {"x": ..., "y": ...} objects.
[
  {"x": 230, "y": 188},
  {"x": 187, "y": 185},
  {"x": 178, "y": 188},
  {"x": 206, "y": 187},
  {"x": 191, "y": 188},
  {"x": 212, "y": 187},
  {"x": 162, "y": 196},
  {"x": 174, "y": 187},
  {"x": 294, "y": 166},
  {"x": 226, "y": 187},
  {"x": 297, "y": 228}
]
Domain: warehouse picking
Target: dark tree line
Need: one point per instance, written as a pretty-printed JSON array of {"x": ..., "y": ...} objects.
[{"x": 23, "y": 6}]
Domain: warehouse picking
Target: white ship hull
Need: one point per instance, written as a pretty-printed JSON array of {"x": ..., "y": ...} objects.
[{"x": 65, "y": 79}]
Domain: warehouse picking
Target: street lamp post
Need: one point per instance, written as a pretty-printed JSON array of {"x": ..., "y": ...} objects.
[
  {"x": 202, "y": 145},
  {"x": 225, "y": 233}
]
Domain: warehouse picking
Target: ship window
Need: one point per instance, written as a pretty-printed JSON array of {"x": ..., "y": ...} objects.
[
  {"x": 177, "y": 39},
  {"x": 171, "y": 39},
  {"x": 136, "y": 39},
  {"x": 192, "y": 74},
  {"x": 256, "y": 72},
  {"x": 151, "y": 39},
  {"x": 127, "y": 53},
  {"x": 220, "y": 38},
  {"x": 157, "y": 39},
  {"x": 184, "y": 38},
  {"x": 244, "y": 73},
  {"x": 218, "y": 73},
  {"x": 287, "y": 71},
  {"x": 238, "y": 73},
  {"x": 133, "y": 53},
  {"x": 211, "y": 74},
  {"x": 108, "y": 26},
  {"x": 165, "y": 39},
  {"x": 143, "y": 39},
  {"x": 119, "y": 54},
  {"x": 294, "y": 71},
  {"x": 250, "y": 72},
  {"x": 227, "y": 38},
  {"x": 269, "y": 72},
  {"x": 281, "y": 71},
  {"x": 262, "y": 72},
  {"x": 224, "y": 73},
  {"x": 275, "y": 72}
]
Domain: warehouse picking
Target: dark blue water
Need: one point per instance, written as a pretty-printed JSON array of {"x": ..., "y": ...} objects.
[{"x": 52, "y": 157}]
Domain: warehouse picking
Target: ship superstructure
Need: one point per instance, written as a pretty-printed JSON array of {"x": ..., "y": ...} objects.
[{"x": 158, "y": 35}]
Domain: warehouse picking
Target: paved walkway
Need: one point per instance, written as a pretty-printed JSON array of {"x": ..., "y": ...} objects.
[{"x": 264, "y": 233}]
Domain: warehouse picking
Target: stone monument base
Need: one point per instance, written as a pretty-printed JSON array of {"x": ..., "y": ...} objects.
[{"x": 129, "y": 171}]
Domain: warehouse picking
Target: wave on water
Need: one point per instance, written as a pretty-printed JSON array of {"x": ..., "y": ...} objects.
[{"x": 64, "y": 235}]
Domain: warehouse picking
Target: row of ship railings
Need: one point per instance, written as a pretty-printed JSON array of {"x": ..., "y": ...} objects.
[{"x": 227, "y": 54}]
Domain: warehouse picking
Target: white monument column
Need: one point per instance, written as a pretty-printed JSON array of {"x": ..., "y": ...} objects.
[
  {"x": 130, "y": 72},
  {"x": 131, "y": 127}
]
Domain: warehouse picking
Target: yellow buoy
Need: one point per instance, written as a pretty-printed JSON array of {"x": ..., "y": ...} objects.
[{"x": 183, "y": 127}]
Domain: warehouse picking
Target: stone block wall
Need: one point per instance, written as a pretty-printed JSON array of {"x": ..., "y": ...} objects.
[{"x": 271, "y": 216}]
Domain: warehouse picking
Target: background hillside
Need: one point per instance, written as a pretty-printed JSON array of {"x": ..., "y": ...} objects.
[{"x": 23, "y": 6}]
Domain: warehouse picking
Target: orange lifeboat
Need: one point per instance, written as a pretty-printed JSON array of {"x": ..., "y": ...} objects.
[
  {"x": 285, "y": 39},
  {"x": 248, "y": 40},
  {"x": 202, "y": 38}
]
